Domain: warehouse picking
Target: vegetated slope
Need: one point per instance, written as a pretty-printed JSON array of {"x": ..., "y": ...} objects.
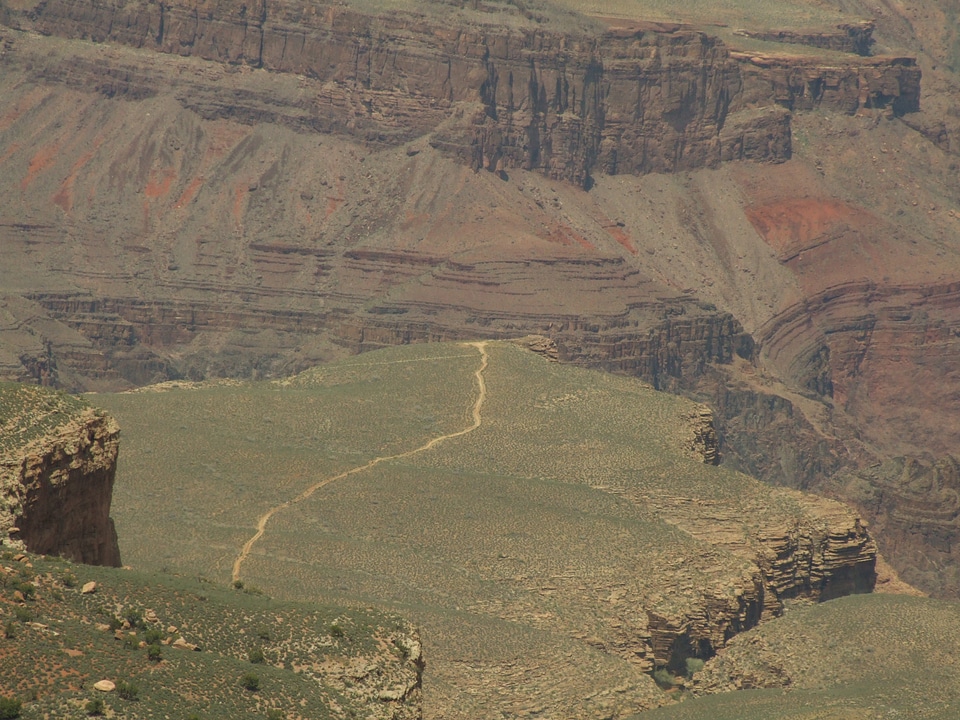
[
  {"x": 190, "y": 648},
  {"x": 860, "y": 656},
  {"x": 566, "y": 545},
  {"x": 58, "y": 460}
]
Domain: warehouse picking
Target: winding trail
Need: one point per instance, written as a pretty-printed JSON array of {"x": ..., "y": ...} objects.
[{"x": 477, "y": 421}]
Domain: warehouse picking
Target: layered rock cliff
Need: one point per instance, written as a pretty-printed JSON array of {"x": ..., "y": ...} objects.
[
  {"x": 57, "y": 466},
  {"x": 637, "y": 99}
]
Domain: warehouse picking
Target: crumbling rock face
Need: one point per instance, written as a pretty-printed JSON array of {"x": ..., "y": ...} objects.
[
  {"x": 704, "y": 442},
  {"x": 57, "y": 489}
]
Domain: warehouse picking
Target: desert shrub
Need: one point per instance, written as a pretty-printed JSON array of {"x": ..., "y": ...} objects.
[
  {"x": 663, "y": 678},
  {"x": 256, "y": 656},
  {"x": 9, "y": 708},
  {"x": 135, "y": 618},
  {"x": 694, "y": 665},
  {"x": 28, "y": 590},
  {"x": 94, "y": 707},
  {"x": 70, "y": 580},
  {"x": 154, "y": 653},
  {"x": 193, "y": 716},
  {"x": 238, "y": 584},
  {"x": 336, "y": 631},
  {"x": 250, "y": 682},
  {"x": 263, "y": 633},
  {"x": 153, "y": 636},
  {"x": 23, "y": 614},
  {"x": 128, "y": 690},
  {"x": 275, "y": 714},
  {"x": 130, "y": 642},
  {"x": 9, "y": 630}
]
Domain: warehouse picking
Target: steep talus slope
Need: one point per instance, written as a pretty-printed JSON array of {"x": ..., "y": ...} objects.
[
  {"x": 58, "y": 460},
  {"x": 572, "y": 537}
]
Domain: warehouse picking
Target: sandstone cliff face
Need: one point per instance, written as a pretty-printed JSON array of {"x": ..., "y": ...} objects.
[
  {"x": 628, "y": 100},
  {"x": 57, "y": 486}
]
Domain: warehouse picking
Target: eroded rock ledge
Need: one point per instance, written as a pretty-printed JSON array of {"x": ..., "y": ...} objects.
[{"x": 58, "y": 460}]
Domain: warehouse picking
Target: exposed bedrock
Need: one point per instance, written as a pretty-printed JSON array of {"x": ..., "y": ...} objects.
[
  {"x": 884, "y": 355},
  {"x": 629, "y": 100},
  {"x": 915, "y": 511},
  {"x": 132, "y": 341},
  {"x": 823, "y": 553},
  {"x": 57, "y": 487}
]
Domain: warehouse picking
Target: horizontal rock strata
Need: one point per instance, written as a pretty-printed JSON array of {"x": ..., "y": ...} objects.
[{"x": 627, "y": 100}]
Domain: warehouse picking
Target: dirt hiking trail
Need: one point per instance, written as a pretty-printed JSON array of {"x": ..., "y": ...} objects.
[{"x": 477, "y": 421}]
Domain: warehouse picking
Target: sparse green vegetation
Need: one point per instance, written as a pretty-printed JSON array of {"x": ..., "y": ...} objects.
[
  {"x": 694, "y": 665},
  {"x": 74, "y": 640},
  {"x": 256, "y": 656},
  {"x": 488, "y": 538}
]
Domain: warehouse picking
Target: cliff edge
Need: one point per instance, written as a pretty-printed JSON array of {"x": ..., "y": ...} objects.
[{"x": 58, "y": 460}]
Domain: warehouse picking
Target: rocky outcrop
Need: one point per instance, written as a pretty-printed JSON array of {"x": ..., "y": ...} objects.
[
  {"x": 855, "y": 38},
  {"x": 801, "y": 83},
  {"x": 57, "y": 468},
  {"x": 704, "y": 442}
]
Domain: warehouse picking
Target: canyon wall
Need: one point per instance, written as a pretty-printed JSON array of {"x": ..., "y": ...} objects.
[
  {"x": 57, "y": 468},
  {"x": 649, "y": 98}
]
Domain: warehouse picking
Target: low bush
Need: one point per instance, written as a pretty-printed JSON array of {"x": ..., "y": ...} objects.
[
  {"x": 663, "y": 678},
  {"x": 128, "y": 690},
  {"x": 256, "y": 656},
  {"x": 9, "y": 708},
  {"x": 694, "y": 665},
  {"x": 250, "y": 682},
  {"x": 94, "y": 707},
  {"x": 154, "y": 653}
]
